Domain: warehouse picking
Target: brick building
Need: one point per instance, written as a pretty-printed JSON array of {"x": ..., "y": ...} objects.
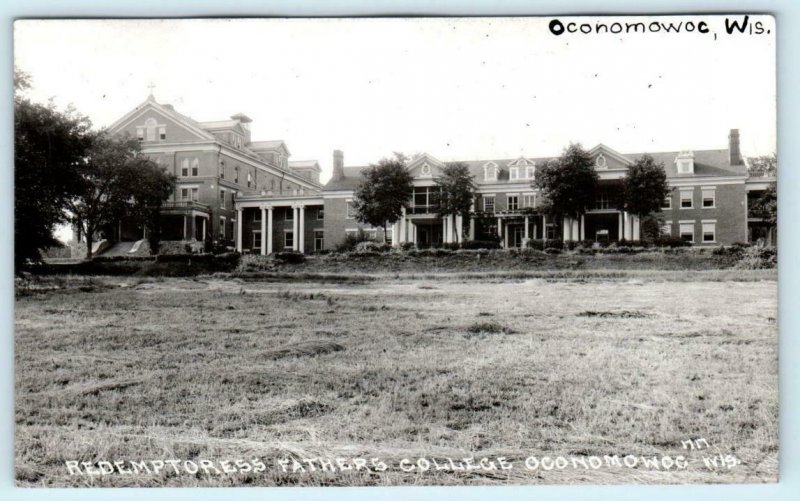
[{"x": 249, "y": 192}]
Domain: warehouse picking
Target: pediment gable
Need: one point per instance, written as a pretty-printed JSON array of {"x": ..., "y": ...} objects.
[
  {"x": 150, "y": 111},
  {"x": 425, "y": 167},
  {"x": 605, "y": 158}
]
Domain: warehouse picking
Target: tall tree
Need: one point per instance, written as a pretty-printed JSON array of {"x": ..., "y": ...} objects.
[
  {"x": 456, "y": 191},
  {"x": 115, "y": 181},
  {"x": 645, "y": 187},
  {"x": 49, "y": 146},
  {"x": 568, "y": 183},
  {"x": 385, "y": 189},
  {"x": 766, "y": 206},
  {"x": 151, "y": 185},
  {"x": 763, "y": 166}
]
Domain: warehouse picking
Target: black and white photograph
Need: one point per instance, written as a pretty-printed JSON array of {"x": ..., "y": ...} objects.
[{"x": 395, "y": 251}]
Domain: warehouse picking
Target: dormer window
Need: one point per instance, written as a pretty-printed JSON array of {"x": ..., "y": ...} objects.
[
  {"x": 513, "y": 173},
  {"x": 684, "y": 162},
  {"x": 490, "y": 171},
  {"x": 530, "y": 171}
]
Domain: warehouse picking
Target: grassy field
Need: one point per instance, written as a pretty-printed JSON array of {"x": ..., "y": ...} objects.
[{"x": 394, "y": 368}]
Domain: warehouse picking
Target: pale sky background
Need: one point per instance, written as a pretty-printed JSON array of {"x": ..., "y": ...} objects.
[{"x": 455, "y": 88}]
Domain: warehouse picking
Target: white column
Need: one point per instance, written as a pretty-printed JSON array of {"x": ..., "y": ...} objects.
[
  {"x": 413, "y": 233},
  {"x": 264, "y": 230},
  {"x": 526, "y": 227},
  {"x": 204, "y": 228},
  {"x": 184, "y": 227},
  {"x": 402, "y": 236},
  {"x": 544, "y": 228},
  {"x": 444, "y": 230},
  {"x": 396, "y": 234},
  {"x": 621, "y": 225},
  {"x": 534, "y": 230},
  {"x": 459, "y": 227},
  {"x": 294, "y": 228},
  {"x": 472, "y": 227},
  {"x": 301, "y": 223},
  {"x": 239, "y": 229},
  {"x": 575, "y": 230},
  {"x": 635, "y": 227},
  {"x": 500, "y": 228},
  {"x": 567, "y": 229},
  {"x": 583, "y": 227},
  {"x": 269, "y": 230},
  {"x": 451, "y": 228},
  {"x": 626, "y": 231}
]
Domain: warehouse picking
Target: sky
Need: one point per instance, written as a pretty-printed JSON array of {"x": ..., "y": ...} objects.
[{"x": 458, "y": 89}]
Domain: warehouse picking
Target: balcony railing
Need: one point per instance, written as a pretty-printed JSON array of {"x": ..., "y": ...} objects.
[
  {"x": 186, "y": 204},
  {"x": 423, "y": 209}
]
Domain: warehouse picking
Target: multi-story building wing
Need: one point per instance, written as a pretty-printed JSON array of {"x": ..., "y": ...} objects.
[
  {"x": 215, "y": 163},
  {"x": 250, "y": 193}
]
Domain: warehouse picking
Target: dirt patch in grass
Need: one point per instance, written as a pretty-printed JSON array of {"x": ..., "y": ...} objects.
[
  {"x": 614, "y": 314},
  {"x": 486, "y": 328},
  {"x": 309, "y": 349}
]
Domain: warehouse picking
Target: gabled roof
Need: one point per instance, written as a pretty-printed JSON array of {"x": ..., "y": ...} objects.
[
  {"x": 166, "y": 110},
  {"x": 706, "y": 163},
  {"x": 304, "y": 163},
  {"x": 268, "y": 146}
]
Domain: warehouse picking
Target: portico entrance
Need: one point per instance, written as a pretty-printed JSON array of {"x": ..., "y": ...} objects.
[{"x": 429, "y": 233}]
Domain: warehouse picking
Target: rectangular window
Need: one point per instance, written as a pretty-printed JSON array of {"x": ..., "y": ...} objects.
[
  {"x": 221, "y": 198},
  {"x": 257, "y": 240},
  {"x": 351, "y": 211},
  {"x": 185, "y": 171},
  {"x": 320, "y": 214},
  {"x": 222, "y": 226},
  {"x": 667, "y": 202},
  {"x": 709, "y": 232},
  {"x": 195, "y": 193},
  {"x": 488, "y": 204},
  {"x": 602, "y": 202},
  {"x": 236, "y": 175},
  {"x": 288, "y": 239},
  {"x": 529, "y": 172},
  {"x": 289, "y": 214},
  {"x": 162, "y": 133},
  {"x": 184, "y": 193},
  {"x": 687, "y": 231},
  {"x": 195, "y": 169},
  {"x": 513, "y": 202},
  {"x": 319, "y": 240},
  {"x": 140, "y": 134},
  {"x": 529, "y": 201},
  {"x": 513, "y": 173},
  {"x": 709, "y": 198},
  {"x": 687, "y": 199}
]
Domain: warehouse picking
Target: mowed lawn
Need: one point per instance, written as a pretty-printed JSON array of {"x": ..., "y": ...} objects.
[{"x": 125, "y": 369}]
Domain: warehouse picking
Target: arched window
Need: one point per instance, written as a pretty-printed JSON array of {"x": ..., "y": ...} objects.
[
  {"x": 150, "y": 127},
  {"x": 185, "y": 167},
  {"x": 195, "y": 167}
]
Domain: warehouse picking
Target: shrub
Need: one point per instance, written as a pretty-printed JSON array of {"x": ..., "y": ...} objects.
[
  {"x": 289, "y": 257},
  {"x": 480, "y": 244},
  {"x": 407, "y": 246},
  {"x": 453, "y": 246},
  {"x": 757, "y": 258},
  {"x": 351, "y": 240},
  {"x": 255, "y": 262},
  {"x": 552, "y": 250},
  {"x": 535, "y": 244},
  {"x": 371, "y": 246},
  {"x": 554, "y": 244},
  {"x": 669, "y": 241}
]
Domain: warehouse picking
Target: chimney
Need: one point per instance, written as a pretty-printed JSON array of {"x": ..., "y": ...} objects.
[
  {"x": 733, "y": 147},
  {"x": 338, "y": 165}
]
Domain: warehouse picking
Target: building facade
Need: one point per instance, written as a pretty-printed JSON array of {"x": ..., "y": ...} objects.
[{"x": 248, "y": 192}]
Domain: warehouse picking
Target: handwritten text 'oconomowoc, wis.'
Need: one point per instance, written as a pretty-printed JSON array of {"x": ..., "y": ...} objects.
[{"x": 734, "y": 25}]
